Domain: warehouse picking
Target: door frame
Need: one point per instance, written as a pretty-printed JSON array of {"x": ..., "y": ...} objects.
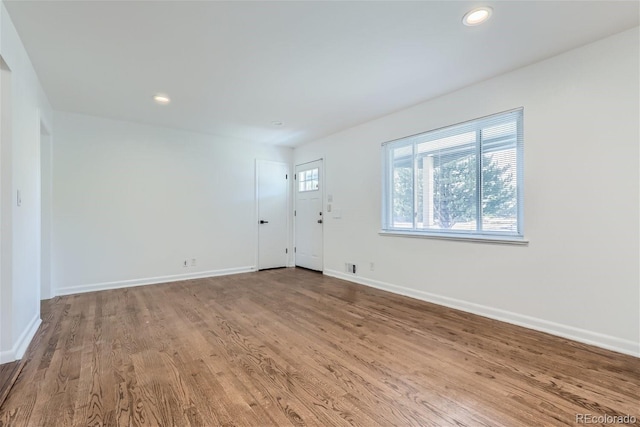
[
  {"x": 45, "y": 212},
  {"x": 322, "y": 204},
  {"x": 256, "y": 225}
]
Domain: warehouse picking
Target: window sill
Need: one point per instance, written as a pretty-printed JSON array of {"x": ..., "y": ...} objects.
[{"x": 473, "y": 238}]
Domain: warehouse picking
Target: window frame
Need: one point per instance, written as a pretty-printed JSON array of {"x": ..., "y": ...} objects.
[{"x": 477, "y": 235}]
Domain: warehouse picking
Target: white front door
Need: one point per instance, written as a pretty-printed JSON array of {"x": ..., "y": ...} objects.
[
  {"x": 272, "y": 194},
  {"x": 309, "y": 215}
]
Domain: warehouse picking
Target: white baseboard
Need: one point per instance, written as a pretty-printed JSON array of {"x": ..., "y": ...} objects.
[
  {"x": 17, "y": 351},
  {"x": 150, "y": 281},
  {"x": 576, "y": 334}
]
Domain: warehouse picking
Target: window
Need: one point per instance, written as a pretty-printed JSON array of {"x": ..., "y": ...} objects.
[
  {"x": 308, "y": 180},
  {"x": 461, "y": 181}
]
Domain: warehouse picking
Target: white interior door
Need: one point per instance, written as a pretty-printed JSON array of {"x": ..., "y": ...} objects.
[
  {"x": 309, "y": 215},
  {"x": 272, "y": 195}
]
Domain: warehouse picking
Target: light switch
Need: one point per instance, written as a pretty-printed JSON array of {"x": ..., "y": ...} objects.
[
  {"x": 337, "y": 213},
  {"x": 19, "y": 198}
]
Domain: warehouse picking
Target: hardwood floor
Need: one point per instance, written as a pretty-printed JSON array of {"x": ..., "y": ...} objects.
[
  {"x": 293, "y": 347},
  {"x": 8, "y": 375}
]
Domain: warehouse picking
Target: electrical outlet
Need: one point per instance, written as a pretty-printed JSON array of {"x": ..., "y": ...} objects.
[
  {"x": 371, "y": 266},
  {"x": 193, "y": 262}
]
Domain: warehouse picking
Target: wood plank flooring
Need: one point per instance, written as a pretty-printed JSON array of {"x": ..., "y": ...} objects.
[
  {"x": 8, "y": 375},
  {"x": 293, "y": 347}
]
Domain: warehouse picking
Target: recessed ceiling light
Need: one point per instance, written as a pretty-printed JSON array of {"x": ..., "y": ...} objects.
[
  {"x": 161, "y": 99},
  {"x": 477, "y": 16},
  {"x": 277, "y": 123}
]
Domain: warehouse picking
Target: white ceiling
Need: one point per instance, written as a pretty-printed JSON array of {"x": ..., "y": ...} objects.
[{"x": 231, "y": 68}]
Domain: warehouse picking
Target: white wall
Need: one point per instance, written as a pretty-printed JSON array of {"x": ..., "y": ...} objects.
[
  {"x": 24, "y": 107},
  {"x": 579, "y": 276},
  {"x": 131, "y": 202}
]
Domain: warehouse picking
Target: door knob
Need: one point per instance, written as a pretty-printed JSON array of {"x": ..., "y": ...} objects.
[
  {"x": 319, "y": 221},
  {"x": 262, "y": 221}
]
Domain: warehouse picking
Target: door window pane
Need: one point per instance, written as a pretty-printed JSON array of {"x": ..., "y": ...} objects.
[{"x": 308, "y": 180}]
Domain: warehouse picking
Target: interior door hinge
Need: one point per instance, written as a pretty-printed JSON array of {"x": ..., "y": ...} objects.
[
  {"x": 295, "y": 176},
  {"x": 286, "y": 176},
  {"x": 295, "y": 213},
  {"x": 295, "y": 249},
  {"x": 286, "y": 250}
]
